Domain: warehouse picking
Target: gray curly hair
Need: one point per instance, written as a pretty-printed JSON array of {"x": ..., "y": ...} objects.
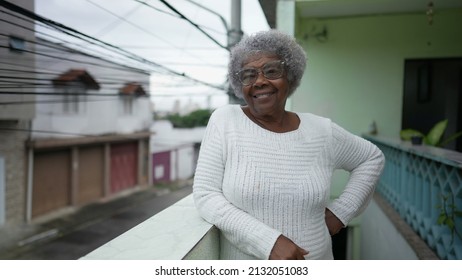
[{"x": 272, "y": 42}]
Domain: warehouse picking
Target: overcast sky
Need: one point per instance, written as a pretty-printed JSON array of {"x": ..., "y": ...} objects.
[{"x": 154, "y": 33}]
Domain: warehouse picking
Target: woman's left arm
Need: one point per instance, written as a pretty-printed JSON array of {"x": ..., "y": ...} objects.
[{"x": 365, "y": 163}]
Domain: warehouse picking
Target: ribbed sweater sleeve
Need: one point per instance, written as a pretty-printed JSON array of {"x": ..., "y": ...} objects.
[
  {"x": 248, "y": 233},
  {"x": 365, "y": 162}
]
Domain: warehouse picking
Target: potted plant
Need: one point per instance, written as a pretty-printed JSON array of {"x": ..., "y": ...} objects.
[{"x": 433, "y": 138}]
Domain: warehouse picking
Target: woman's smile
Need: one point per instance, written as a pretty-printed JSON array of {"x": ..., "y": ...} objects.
[{"x": 263, "y": 95}]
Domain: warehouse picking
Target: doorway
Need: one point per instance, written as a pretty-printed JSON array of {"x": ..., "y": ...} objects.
[{"x": 433, "y": 92}]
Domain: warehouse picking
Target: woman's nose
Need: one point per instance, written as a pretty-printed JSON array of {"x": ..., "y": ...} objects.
[{"x": 260, "y": 78}]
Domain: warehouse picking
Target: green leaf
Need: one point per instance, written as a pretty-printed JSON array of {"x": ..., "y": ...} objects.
[
  {"x": 450, "y": 139},
  {"x": 406, "y": 134},
  {"x": 442, "y": 219},
  {"x": 458, "y": 213},
  {"x": 434, "y": 136}
]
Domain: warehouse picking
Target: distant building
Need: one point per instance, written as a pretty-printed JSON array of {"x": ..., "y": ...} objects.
[
  {"x": 94, "y": 142},
  {"x": 74, "y": 128},
  {"x": 174, "y": 151}
]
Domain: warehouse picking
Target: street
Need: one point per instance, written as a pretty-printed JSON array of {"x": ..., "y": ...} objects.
[{"x": 95, "y": 232}]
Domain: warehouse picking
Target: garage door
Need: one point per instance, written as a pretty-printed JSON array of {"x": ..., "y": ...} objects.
[
  {"x": 124, "y": 166},
  {"x": 91, "y": 174},
  {"x": 51, "y": 184}
]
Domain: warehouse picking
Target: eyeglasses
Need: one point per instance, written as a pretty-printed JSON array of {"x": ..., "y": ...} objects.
[{"x": 271, "y": 70}]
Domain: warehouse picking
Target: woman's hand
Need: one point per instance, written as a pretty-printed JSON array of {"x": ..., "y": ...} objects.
[
  {"x": 333, "y": 223},
  {"x": 286, "y": 249}
]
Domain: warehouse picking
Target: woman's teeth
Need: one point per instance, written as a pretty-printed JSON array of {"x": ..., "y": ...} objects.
[{"x": 262, "y": 95}]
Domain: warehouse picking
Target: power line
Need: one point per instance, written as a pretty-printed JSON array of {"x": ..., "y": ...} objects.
[
  {"x": 63, "y": 48},
  {"x": 223, "y": 21},
  {"x": 194, "y": 24},
  {"x": 54, "y": 101},
  {"x": 115, "y": 23},
  {"x": 55, "y": 46},
  {"x": 157, "y": 9},
  {"x": 114, "y": 78},
  {"x": 6, "y": 85},
  {"x": 142, "y": 29},
  {"x": 177, "y": 16},
  {"x": 44, "y": 131},
  {"x": 41, "y": 86},
  {"x": 100, "y": 94},
  {"x": 60, "y": 47},
  {"x": 77, "y": 34},
  {"x": 79, "y": 61}
]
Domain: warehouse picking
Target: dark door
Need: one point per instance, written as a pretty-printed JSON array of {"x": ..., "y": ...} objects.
[{"x": 432, "y": 92}]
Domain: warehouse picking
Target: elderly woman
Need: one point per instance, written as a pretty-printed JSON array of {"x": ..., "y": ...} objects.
[{"x": 263, "y": 175}]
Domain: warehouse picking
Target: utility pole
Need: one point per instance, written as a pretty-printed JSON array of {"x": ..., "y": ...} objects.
[
  {"x": 234, "y": 36},
  {"x": 235, "y": 32}
]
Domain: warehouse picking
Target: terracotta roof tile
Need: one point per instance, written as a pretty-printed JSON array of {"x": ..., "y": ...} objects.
[
  {"x": 132, "y": 89},
  {"x": 76, "y": 75}
]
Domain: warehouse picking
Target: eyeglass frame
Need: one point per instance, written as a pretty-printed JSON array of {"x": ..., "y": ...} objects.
[{"x": 259, "y": 70}]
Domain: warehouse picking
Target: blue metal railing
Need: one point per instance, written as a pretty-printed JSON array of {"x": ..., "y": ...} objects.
[{"x": 424, "y": 185}]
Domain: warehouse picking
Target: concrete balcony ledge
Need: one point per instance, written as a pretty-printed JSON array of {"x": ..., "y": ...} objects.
[{"x": 177, "y": 232}]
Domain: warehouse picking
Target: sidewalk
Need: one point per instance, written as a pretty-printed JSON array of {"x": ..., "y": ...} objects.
[{"x": 21, "y": 238}]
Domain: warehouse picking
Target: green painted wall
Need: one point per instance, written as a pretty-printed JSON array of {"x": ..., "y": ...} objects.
[{"x": 356, "y": 75}]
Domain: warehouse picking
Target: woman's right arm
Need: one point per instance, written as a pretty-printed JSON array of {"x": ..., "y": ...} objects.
[{"x": 246, "y": 232}]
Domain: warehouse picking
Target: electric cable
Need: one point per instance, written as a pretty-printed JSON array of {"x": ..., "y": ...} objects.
[
  {"x": 194, "y": 24},
  {"x": 90, "y": 39}
]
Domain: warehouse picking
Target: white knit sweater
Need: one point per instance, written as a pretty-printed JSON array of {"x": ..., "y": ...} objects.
[{"x": 254, "y": 184}]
